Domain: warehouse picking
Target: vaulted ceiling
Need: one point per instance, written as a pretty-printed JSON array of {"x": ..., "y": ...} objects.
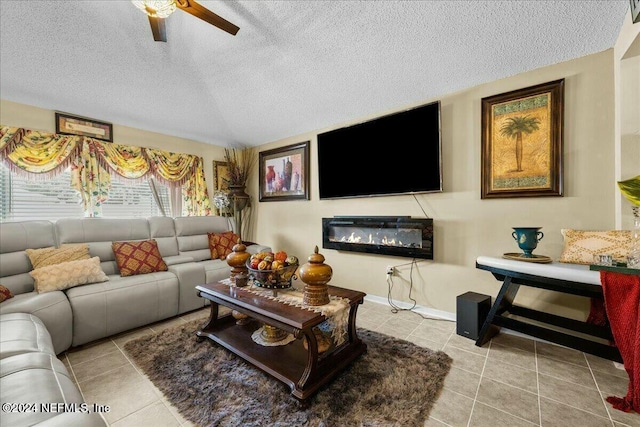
[{"x": 294, "y": 66}]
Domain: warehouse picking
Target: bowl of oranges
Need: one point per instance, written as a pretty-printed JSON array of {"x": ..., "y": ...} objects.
[{"x": 272, "y": 270}]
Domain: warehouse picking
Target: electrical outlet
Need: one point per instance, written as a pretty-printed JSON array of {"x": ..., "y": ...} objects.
[{"x": 390, "y": 270}]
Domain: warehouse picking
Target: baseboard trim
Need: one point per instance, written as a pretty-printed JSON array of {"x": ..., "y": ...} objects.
[
  {"x": 426, "y": 311},
  {"x": 441, "y": 314}
]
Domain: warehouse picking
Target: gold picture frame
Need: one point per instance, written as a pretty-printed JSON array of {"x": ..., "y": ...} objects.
[
  {"x": 220, "y": 171},
  {"x": 75, "y": 125},
  {"x": 522, "y": 142},
  {"x": 284, "y": 173}
]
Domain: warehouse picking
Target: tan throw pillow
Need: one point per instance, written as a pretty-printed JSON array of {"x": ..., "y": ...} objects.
[
  {"x": 5, "y": 293},
  {"x": 68, "y": 274},
  {"x": 51, "y": 256},
  {"x": 581, "y": 245},
  {"x": 140, "y": 257}
]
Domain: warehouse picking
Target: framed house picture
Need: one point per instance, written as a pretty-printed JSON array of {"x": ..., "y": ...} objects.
[
  {"x": 284, "y": 173},
  {"x": 522, "y": 142},
  {"x": 220, "y": 197},
  {"x": 75, "y": 125},
  {"x": 220, "y": 173}
]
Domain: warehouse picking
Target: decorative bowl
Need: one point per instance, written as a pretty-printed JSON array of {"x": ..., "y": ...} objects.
[{"x": 273, "y": 279}]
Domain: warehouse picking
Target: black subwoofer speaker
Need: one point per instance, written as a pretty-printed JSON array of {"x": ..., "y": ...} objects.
[{"x": 471, "y": 311}]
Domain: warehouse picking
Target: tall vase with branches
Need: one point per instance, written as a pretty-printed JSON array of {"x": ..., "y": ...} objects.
[{"x": 240, "y": 163}]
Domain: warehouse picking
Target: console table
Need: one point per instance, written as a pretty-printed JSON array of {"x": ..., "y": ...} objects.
[
  {"x": 303, "y": 370},
  {"x": 560, "y": 277}
]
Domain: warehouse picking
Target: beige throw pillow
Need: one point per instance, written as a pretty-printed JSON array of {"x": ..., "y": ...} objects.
[
  {"x": 68, "y": 274},
  {"x": 581, "y": 245},
  {"x": 51, "y": 256}
]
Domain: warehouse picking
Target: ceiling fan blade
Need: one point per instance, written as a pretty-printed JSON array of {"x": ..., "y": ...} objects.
[
  {"x": 158, "y": 29},
  {"x": 206, "y": 15}
]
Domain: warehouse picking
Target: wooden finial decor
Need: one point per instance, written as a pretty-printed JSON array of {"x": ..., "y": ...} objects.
[{"x": 316, "y": 274}]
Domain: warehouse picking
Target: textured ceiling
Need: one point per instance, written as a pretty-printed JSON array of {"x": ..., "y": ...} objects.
[{"x": 294, "y": 66}]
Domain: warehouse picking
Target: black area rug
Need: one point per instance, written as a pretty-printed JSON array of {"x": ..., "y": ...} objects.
[{"x": 395, "y": 383}]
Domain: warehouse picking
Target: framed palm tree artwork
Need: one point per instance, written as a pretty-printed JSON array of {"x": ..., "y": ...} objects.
[{"x": 522, "y": 142}]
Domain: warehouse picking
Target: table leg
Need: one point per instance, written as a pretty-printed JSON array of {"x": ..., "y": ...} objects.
[
  {"x": 503, "y": 302},
  {"x": 352, "y": 323},
  {"x": 312, "y": 359},
  {"x": 209, "y": 326}
]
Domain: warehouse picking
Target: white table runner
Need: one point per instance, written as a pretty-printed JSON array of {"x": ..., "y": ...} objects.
[{"x": 336, "y": 311}]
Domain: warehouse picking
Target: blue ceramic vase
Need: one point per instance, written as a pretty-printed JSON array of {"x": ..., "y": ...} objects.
[{"x": 527, "y": 238}]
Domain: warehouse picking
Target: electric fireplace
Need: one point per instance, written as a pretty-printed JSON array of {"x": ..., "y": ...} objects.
[{"x": 385, "y": 235}]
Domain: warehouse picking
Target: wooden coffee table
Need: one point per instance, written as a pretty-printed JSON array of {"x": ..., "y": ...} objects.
[{"x": 304, "y": 371}]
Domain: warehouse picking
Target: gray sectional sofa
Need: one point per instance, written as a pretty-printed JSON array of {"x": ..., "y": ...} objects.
[{"x": 86, "y": 313}]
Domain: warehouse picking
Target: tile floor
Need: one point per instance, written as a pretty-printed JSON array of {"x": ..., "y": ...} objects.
[{"x": 511, "y": 381}]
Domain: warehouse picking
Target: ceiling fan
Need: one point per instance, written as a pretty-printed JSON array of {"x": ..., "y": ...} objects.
[{"x": 158, "y": 10}]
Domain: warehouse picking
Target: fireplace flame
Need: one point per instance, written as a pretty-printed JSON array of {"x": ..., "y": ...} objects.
[
  {"x": 389, "y": 242},
  {"x": 352, "y": 238}
]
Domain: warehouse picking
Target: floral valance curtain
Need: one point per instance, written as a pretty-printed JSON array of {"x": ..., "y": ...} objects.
[
  {"x": 94, "y": 163},
  {"x": 37, "y": 152}
]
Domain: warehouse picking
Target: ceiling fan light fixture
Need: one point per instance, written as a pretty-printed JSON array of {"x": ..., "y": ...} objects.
[{"x": 156, "y": 8}]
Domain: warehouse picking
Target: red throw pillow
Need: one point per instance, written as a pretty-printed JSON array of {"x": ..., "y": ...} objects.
[
  {"x": 222, "y": 244},
  {"x": 5, "y": 293},
  {"x": 140, "y": 257}
]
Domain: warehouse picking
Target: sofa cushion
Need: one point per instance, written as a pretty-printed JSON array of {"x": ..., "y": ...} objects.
[
  {"x": 23, "y": 333},
  {"x": 123, "y": 303},
  {"x": 163, "y": 230},
  {"x": 221, "y": 244},
  {"x": 68, "y": 274},
  {"x": 191, "y": 233},
  {"x": 141, "y": 257},
  {"x": 15, "y": 237},
  {"x": 190, "y": 275},
  {"x": 215, "y": 270},
  {"x": 581, "y": 245},
  {"x": 21, "y": 235},
  {"x": 50, "y": 256},
  {"x": 100, "y": 233},
  {"x": 5, "y": 293}
]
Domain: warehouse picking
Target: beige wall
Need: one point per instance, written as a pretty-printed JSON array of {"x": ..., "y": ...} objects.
[
  {"x": 465, "y": 225},
  {"x": 30, "y": 117}
]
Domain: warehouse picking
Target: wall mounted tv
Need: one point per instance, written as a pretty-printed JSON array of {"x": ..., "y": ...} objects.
[{"x": 399, "y": 153}]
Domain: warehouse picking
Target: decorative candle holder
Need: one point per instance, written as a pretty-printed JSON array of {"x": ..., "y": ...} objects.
[
  {"x": 272, "y": 334},
  {"x": 236, "y": 260},
  {"x": 315, "y": 274}
]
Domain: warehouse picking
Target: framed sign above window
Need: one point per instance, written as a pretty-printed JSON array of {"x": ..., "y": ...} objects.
[{"x": 83, "y": 126}]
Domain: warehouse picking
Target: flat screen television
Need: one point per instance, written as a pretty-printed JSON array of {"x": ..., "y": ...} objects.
[{"x": 399, "y": 153}]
